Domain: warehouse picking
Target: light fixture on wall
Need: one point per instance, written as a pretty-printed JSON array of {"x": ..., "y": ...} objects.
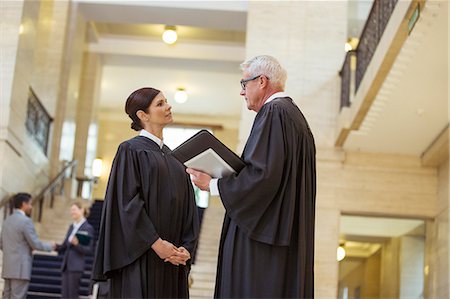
[
  {"x": 340, "y": 254},
  {"x": 170, "y": 35},
  {"x": 181, "y": 95},
  {"x": 351, "y": 44}
]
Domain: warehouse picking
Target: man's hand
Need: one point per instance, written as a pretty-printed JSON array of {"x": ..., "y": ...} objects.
[{"x": 200, "y": 179}]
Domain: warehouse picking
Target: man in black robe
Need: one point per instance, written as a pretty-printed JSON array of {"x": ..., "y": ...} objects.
[
  {"x": 267, "y": 242},
  {"x": 149, "y": 202}
]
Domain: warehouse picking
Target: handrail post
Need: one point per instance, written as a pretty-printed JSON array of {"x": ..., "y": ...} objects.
[
  {"x": 52, "y": 197},
  {"x": 41, "y": 207},
  {"x": 346, "y": 76}
]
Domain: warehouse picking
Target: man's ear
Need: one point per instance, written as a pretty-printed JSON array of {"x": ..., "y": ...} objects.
[{"x": 263, "y": 81}]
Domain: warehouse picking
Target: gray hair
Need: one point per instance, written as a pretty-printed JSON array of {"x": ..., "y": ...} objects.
[{"x": 268, "y": 66}]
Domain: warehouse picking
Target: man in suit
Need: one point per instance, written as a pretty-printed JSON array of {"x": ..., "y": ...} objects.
[
  {"x": 17, "y": 240},
  {"x": 75, "y": 250}
]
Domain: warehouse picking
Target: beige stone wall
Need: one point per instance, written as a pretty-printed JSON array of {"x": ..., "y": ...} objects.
[
  {"x": 412, "y": 253},
  {"x": 365, "y": 277},
  {"x": 10, "y": 20},
  {"x": 437, "y": 244},
  {"x": 390, "y": 269},
  {"x": 22, "y": 157},
  {"x": 365, "y": 184},
  {"x": 305, "y": 43},
  {"x": 36, "y": 58}
]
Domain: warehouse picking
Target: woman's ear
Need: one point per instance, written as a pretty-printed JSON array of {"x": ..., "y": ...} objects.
[{"x": 142, "y": 115}]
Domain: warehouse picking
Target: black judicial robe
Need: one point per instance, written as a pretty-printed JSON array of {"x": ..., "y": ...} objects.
[
  {"x": 267, "y": 242},
  {"x": 149, "y": 195}
]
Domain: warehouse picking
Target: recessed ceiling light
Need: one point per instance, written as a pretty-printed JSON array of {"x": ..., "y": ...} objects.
[
  {"x": 181, "y": 95},
  {"x": 170, "y": 35}
]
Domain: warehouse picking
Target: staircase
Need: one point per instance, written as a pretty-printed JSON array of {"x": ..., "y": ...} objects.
[
  {"x": 46, "y": 273},
  {"x": 203, "y": 271}
]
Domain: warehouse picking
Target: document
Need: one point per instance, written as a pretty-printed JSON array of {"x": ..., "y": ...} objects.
[
  {"x": 206, "y": 153},
  {"x": 211, "y": 163}
]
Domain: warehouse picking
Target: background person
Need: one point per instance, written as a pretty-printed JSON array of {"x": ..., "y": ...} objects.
[
  {"x": 17, "y": 241},
  {"x": 74, "y": 252}
]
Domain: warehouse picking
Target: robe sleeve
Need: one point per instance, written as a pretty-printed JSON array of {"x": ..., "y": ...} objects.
[
  {"x": 258, "y": 199},
  {"x": 126, "y": 231},
  {"x": 190, "y": 220}
]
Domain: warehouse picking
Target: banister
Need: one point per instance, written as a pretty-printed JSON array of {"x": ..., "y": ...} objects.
[{"x": 38, "y": 199}]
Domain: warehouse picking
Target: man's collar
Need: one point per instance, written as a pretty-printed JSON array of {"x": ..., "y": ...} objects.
[
  {"x": 280, "y": 94},
  {"x": 20, "y": 211}
]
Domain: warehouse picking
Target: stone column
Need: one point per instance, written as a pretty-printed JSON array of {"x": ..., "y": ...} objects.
[
  {"x": 10, "y": 26},
  {"x": 87, "y": 107},
  {"x": 69, "y": 82}
]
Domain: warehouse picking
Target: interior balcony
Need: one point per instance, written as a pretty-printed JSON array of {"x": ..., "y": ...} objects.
[{"x": 395, "y": 84}]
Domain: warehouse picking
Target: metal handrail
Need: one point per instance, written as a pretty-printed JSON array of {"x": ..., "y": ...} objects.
[
  {"x": 49, "y": 188},
  {"x": 377, "y": 20},
  {"x": 346, "y": 75}
]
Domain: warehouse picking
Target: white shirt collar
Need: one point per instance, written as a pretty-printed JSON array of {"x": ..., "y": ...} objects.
[
  {"x": 280, "y": 94},
  {"x": 77, "y": 225},
  {"x": 152, "y": 137},
  {"x": 21, "y": 212}
]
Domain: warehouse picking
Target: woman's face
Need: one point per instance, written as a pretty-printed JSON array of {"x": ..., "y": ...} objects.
[
  {"x": 76, "y": 213},
  {"x": 160, "y": 111}
]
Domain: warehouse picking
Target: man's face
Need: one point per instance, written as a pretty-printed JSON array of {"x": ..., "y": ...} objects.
[
  {"x": 251, "y": 91},
  {"x": 27, "y": 207}
]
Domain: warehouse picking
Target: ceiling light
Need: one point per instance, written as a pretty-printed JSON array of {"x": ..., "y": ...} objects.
[
  {"x": 181, "y": 95},
  {"x": 340, "y": 253},
  {"x": 170, "y": 35}
]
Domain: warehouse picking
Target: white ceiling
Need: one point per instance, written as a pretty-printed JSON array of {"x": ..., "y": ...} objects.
[
  {"x": 205, "y": 60},
  {"x": 411, "y": 109},
  {"x": 377, "y": 226},
  {"x": 213, "y": 86}
]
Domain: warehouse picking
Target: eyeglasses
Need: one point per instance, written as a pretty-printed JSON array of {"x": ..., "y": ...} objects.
[{"x": 245, "y": 81}]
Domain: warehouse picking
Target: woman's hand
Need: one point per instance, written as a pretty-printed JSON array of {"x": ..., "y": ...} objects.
[
  {"x": 164, "y": 249},
  {"x": 180, "y": 257},
  {"x": 74, "y": 241}
]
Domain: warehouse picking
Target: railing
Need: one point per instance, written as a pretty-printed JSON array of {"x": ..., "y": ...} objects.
[
  {"x": 373, "y": 30},
  {"x": 57, "y": 184},
  {"x": 346, "y": 75}
]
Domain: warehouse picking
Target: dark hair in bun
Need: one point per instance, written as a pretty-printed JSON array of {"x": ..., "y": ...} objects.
[{"x": 139, "y": 100}]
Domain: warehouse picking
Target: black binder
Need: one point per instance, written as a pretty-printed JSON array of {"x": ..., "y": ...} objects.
[
  {"x": 83, "y": 237},
  {"x": 206, "y": 153}
]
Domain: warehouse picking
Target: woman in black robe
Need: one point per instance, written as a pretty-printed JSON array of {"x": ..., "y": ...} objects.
[{"x": 149, "y": 226}]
